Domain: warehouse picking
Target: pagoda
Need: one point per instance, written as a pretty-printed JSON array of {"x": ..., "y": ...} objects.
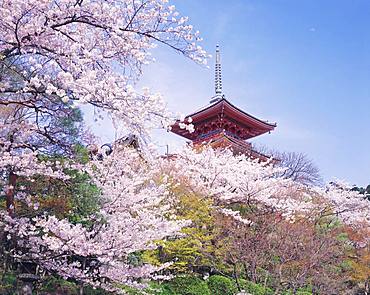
[{"x": 221, "y": 124}]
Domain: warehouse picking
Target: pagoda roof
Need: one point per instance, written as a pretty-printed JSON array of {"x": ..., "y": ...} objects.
[{"x": 221, "y": 108}]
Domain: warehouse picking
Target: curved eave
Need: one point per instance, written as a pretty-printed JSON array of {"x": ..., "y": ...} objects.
[
  {"x": 225, "y": 108},
  {"x": 237, "y": 145},
  {"x": 223, "y": 105},
  {"x": 224, "y": 139},
  {"x": 246, "y": 118}
]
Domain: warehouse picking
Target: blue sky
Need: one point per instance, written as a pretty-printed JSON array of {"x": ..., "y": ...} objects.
[{"x": 302, "y": 64}]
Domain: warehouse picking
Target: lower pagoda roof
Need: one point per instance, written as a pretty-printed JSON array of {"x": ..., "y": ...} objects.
[
  {"x": 225, "y": 140},
  {"x": 221, "y": 114}
]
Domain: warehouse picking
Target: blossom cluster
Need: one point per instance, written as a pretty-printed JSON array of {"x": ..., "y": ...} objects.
[
  {"x": 229, "y": 179},
  {"x": 133, "y": 215},
  {"x": 92, "y": 52}
]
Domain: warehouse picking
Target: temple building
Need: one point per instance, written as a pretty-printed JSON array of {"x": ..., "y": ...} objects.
[{"x": 221, "y": 124}]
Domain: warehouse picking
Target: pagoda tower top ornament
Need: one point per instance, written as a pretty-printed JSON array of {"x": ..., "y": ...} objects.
[
  {"x": 220, "y": 124},
  {"x": 218, "y": 76}
]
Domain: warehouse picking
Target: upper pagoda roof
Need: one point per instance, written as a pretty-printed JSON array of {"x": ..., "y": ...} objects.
[{"x": 223, "y": 109}]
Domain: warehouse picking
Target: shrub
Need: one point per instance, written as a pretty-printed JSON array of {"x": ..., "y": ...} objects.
[
  {"x": 156, "y": 288},
  {"x": 8, "y": 284},
  {"x": 54, "y": 285},
  {"x": 255, "y": 289},
  {"x": 186, "y": 285},
  {"x": 91, "y": 291},
  {"x": 219, "y": 285}
]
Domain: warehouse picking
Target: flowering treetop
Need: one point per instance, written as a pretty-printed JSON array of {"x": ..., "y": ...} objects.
[
  {"x": 230, "y": 178},
  {"x": 89, "y": 52}
]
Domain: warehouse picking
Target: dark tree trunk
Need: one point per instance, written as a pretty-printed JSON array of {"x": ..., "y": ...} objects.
[
  {"x": 236, "y": 277},
  {"x": 10, "y": 205}
]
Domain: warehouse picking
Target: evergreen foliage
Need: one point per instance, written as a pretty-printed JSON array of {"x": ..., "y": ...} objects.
[
  {"x": 254, "y": 288},
  {"x": 186, "y": 285},
  {"x": 196, "y": 250},
  {"x": 219, "y": 285},
  {"x": 363, "y": 191},
  {"x": 8, "y": 283}
]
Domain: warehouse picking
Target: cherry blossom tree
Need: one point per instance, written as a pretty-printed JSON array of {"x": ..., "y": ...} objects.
[
  {"x": 56, "y": 55},
  {"x": 131, "y": 217}
]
